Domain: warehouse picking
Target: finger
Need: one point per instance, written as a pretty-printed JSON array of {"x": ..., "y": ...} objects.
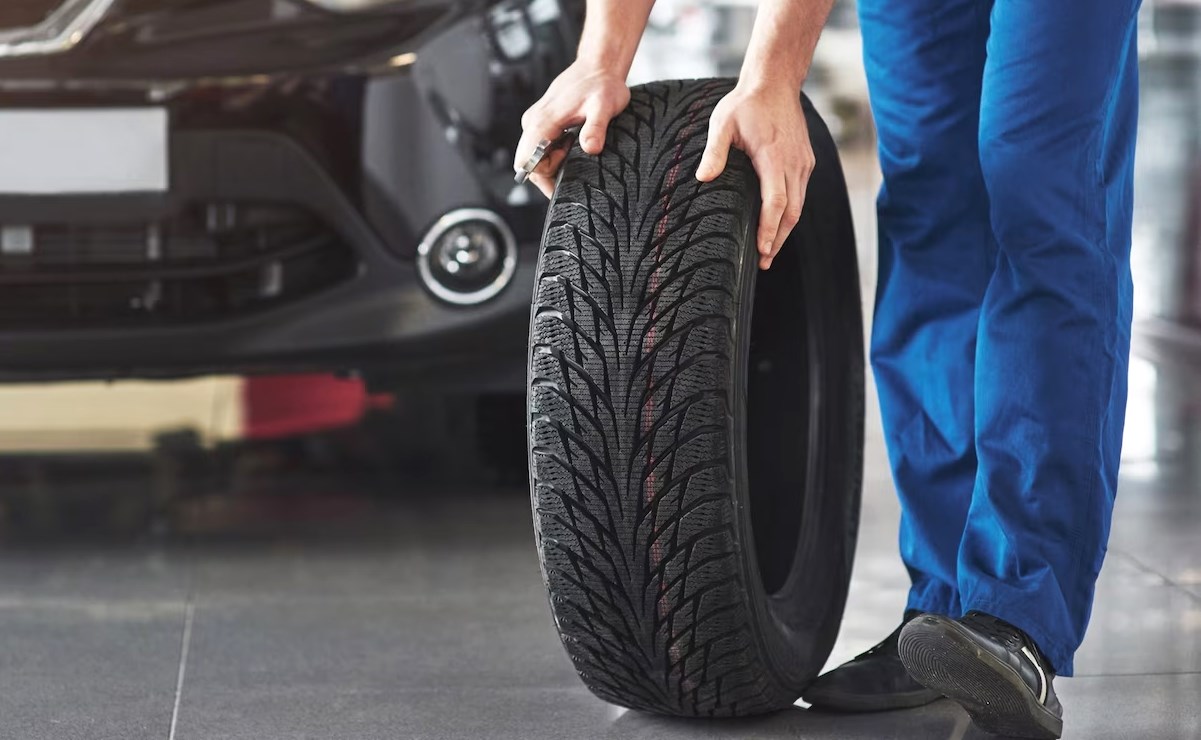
[
  {"x": 798, "y": 186},
  {"x": 592, "y": 135},
  {"x": 537, "y": 125},
  {"x": 717, "y": 149},
  {"x": 775, "y": 201},
  {"x": 544, "y": 183},
  {"x": 795, "y": 181},
  {"x": 550, "y": 164},
  {"x": 544, "y": 175}
]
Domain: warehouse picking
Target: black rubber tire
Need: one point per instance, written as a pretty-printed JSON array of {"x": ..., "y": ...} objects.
[{"x": 696, "y": 427}]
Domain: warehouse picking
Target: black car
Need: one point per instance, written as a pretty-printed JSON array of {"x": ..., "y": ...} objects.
[{"x": 197, "y": 186}]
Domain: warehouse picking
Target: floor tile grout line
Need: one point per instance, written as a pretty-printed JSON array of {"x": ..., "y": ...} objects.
[
  {"x": 1188, "y": 591},
  {"x": 185, "y": 644},
  {"x": 1167, "y": 580},
  {"x": 1140, "y": 674},
  {"x": 1140, "y": 565}
]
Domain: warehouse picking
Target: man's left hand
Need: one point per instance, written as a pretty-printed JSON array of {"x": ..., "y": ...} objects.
[{"x": 767, "y": 123}]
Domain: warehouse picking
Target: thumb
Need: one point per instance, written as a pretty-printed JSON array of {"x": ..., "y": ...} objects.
[
  {"x": 592, "y": 134},
  {"x": 717, "y": 149},
  {"x": 596, "y": 124}
]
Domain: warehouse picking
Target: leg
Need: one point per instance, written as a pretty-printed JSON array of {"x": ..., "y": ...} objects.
[
  {"x": 1057, "y": 133},
  {"x": 925, "y": 61}
]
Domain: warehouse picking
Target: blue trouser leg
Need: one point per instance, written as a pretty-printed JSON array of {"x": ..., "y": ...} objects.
[
  {"x": 1001, "y": 333},
  {"x": 925, "y": 61},
  {"x": 1057, "y": 130}
]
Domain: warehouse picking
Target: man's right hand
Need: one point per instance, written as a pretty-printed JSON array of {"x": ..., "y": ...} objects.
[{"x": 585, "y": 94}]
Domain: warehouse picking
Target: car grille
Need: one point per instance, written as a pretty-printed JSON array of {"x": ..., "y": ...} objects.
[
  {"x": 25, "y": 13},
  {"x": 215, "y": 261}
]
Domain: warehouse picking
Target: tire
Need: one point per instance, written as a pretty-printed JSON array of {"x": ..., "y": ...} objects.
[{"x": 696, "y": 426}]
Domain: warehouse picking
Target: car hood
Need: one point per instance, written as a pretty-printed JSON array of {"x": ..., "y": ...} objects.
[{"x": 163, "y": 40}]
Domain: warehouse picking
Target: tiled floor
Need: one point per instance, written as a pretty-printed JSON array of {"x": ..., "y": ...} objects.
[{"x": 425, "y": 618}]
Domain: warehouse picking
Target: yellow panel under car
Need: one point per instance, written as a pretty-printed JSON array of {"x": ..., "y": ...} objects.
[{"x": 119, "y": 416}]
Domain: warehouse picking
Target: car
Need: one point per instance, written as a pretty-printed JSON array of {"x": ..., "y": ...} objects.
[{"x": 194, "y": 187}]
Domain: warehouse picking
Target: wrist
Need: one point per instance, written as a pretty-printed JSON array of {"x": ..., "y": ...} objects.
[
  {"x": 759, "y": 79},
  {"x": 602, "y": 63},
  {"x": 606, "y": 55}
]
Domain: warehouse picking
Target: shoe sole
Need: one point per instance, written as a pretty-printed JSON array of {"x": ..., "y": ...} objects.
[
  {"x": 939, "y": 655},
  {"x": 880, "y": 703}
]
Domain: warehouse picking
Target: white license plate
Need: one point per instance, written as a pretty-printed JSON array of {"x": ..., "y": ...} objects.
[{"x": 61, "y": 152}]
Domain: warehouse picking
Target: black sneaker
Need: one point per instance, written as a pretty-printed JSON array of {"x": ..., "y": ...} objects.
[
  {"x": 875, "y": 681},
  {"x": 991, "y": 668}
]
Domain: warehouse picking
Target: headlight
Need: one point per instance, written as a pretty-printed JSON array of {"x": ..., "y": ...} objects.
[{"x": 468, "y": 257}]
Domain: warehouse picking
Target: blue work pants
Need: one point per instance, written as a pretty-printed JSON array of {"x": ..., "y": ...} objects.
[{"x": 1002, "y": 325}]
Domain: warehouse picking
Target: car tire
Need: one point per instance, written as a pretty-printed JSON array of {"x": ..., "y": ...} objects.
[{"x": 696, "y": 425}]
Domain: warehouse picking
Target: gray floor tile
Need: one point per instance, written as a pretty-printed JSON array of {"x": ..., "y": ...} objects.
[
  {"x": 441, "y": 543},
  {"x": 1167, "y": 544},
  {"x": 1142, "y": 629},
  {"x": 1112, "y": 708},
  {"x": 89, "y": 669},
  {"x": 364, "y": 645},
  {"x": 93, "y": 572},
  {"x": 505, "y": 714},
  {"x": 1159, "y": 707},
  {"x": 1121, "y": 571}
]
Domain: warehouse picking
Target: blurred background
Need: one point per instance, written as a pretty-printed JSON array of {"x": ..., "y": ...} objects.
[{"x": 242, "y": 495}]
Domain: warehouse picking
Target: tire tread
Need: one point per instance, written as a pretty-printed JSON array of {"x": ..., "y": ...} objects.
[{"x": 630, "y": 408}]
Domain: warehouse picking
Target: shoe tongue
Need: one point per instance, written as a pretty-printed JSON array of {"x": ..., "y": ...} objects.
[{"x": 998, "y": 628}]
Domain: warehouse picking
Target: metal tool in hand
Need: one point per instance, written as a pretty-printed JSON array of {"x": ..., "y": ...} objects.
[{"x": 544, "y": 147}]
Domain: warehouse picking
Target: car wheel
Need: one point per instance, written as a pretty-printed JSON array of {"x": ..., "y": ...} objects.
[{"x": 696, "y": 425}]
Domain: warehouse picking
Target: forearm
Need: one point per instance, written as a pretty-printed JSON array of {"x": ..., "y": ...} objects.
[
  {"x": 782, "y": 42},
  {"x": 612, "y": 30}
]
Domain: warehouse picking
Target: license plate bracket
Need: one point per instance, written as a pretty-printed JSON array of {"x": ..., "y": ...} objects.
[{"x": 83, "y": 151}]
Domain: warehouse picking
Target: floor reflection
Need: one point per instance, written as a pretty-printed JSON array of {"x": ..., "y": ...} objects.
[{"x": 939, "y": 720}]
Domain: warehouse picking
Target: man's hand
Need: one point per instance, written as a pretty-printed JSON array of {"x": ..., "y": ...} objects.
[
  {"x": 768, "y": 124},
  {"x": 584, "y": 94}
]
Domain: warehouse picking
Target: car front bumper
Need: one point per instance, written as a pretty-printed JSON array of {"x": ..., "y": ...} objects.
[{"x": 364, "y": 155}]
